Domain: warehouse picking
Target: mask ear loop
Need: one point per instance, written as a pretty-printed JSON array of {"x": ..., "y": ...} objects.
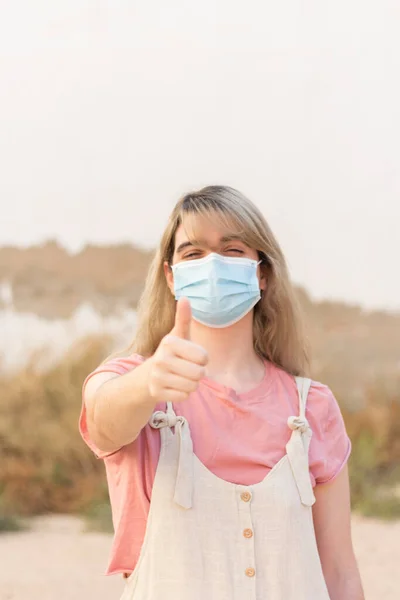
[{"x": 259, "y": 263}]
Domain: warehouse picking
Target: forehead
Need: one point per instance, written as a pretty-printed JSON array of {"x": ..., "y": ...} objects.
[{"x": 206, "y": 231}]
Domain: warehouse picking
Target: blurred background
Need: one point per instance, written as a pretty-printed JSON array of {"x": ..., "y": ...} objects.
[{"x": 109, "y": 112}]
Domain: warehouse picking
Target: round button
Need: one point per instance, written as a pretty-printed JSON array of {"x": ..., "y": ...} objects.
[
  {"x": 248, "y": 533},
  {"x": 250, "y": 572},
  {"x": 245, "y": 496}
]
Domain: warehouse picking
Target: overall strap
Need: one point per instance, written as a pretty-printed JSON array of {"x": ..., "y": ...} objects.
[
  {"x": 166, "y": 421},
  {"x": 170, "y": 411},
  {"x": 303, "y": 387},
  {"x": 298, "y": 445}
]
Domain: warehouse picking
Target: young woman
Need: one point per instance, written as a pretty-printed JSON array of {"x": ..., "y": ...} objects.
[{"x": 226, "y": 466}]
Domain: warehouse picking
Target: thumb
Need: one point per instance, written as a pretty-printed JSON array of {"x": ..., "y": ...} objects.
[{"x": 183, "y": 317}]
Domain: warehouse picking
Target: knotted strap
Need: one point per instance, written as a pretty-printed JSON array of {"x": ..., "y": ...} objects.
[
  {"x": 183, "y": 495},
  {"x": 298, "y": 445}
]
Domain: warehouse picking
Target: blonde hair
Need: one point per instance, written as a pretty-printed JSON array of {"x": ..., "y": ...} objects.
[{"x": 278, "y": 331}]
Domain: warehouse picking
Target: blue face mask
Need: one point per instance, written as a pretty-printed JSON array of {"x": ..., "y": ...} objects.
[{"x": 221, "y": 289}]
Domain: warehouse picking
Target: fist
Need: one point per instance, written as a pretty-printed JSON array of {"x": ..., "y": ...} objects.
[{"x": 178, "y": 363}]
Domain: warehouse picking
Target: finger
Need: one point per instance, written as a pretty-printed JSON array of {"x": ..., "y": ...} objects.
[
  {"x": 187, "y": 350},
  {"x": 180, "y": 384},
  {"x": 183, "y": 317},
  {"x": 174, "y": 396},
  {"x": 185, "y": 368}
]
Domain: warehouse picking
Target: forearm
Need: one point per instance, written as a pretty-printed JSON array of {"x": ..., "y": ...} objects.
[
  {"x": 345, "y": 586},
  {"x": 121, "y": 408}
]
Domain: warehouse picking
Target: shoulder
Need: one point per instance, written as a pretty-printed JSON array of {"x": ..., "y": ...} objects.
[
  {"x": 117, "y": 365},
  {"x": 121, "y": 364},
  {"x": 109, "y": 369},
  {"x": 330, "y": 445},
  {"x": 321, "y": 400},
  {"x": 326, "y": 419},
  {"x": 322, "y": 405}
]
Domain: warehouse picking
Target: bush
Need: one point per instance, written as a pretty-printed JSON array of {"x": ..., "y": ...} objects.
[
  {"x": 375, "y": 460},
  {"x": 40, "y": 446},
  {"x": 46, "y": 467}
]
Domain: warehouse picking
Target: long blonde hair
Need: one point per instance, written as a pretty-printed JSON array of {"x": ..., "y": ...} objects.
[{"x": 278, "y": 331}]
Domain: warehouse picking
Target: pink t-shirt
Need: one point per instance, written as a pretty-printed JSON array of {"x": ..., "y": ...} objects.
[{"x": 239, "y": 437}]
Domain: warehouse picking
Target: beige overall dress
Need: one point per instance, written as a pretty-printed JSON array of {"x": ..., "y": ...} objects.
[{"x": 208, "y": 539}]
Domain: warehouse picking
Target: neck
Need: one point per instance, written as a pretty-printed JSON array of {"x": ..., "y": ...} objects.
[{"x": 232, "y": 358}]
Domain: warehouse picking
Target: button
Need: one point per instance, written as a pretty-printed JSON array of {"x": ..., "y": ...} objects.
[
  {"x": 245, "y": 496},
  {"x": 248, "y": 533},
  {"x": 250, "y": 572}
]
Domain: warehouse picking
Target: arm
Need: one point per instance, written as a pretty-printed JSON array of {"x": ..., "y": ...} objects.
[
  {"x": 119, "y": 406},
  {"x": 332, "y": 522}
]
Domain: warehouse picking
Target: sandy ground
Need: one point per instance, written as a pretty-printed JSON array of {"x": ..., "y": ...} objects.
[{"x": 58, "y": 560}]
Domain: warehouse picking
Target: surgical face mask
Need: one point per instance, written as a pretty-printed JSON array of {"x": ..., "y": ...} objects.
[{"x": 221, "y": 289}]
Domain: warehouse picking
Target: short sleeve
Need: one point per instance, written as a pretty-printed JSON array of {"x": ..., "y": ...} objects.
[
  {"x": 330, "y": 445},
  {"x": 119, "y": 366}
]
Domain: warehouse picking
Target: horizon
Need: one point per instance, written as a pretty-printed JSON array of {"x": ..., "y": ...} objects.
[{"x": 395, "y": 312}]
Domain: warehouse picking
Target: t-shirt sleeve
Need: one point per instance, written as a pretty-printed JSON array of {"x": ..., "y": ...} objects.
[
  {"x": 119, "y": 366},
  {"x": 330, "y": 445}
]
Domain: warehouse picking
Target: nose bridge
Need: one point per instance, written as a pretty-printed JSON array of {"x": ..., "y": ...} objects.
[
  {"x": 214, "y": 276},
  {"x": 216, "y": 248},
  {"x": 213, "y": 248}
]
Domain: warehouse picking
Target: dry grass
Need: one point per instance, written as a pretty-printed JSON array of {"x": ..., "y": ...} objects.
[
  {"x": 45, "y": 466},
  {"x": 9, "y": 523},
  {"x": 357, "y": 354}
]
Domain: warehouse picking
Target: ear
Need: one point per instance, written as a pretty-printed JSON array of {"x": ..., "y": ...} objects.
[
  {"x": 262, "y": 276},
  {"x": 169, "y": 276}
]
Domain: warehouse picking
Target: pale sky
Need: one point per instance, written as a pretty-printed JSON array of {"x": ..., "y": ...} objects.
[{"x": 110, "y": 110}]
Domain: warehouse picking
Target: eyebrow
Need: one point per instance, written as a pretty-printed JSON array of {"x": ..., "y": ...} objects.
[{"x": 225, "y": 239}]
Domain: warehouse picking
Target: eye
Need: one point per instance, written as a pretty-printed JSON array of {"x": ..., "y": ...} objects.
[
  {"x": 192, "y": 255},
  {"x": 235, "y": 250}
]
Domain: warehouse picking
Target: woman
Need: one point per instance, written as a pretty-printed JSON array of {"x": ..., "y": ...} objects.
[{"x": 226, "y": 467}]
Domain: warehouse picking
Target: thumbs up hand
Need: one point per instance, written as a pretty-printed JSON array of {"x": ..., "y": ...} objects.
[
  {"x": 178, "y": 363},
  {"x": 183, "y": 316}
]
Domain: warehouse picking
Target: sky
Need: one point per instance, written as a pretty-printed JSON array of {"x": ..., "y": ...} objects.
[{"x": 110, "y": 111}]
